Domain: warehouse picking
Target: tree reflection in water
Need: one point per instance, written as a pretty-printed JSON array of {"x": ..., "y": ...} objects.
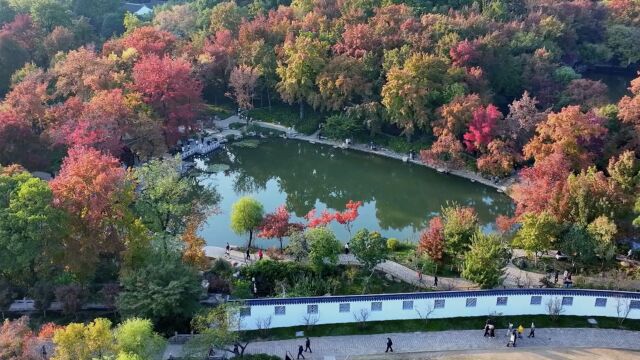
[{"x": 398, "y": 198}]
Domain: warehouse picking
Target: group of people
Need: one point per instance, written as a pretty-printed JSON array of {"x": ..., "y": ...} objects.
[
  {"x": 513, "y": 334},
  {"x": 566, "y": 278},
  {"x": 307, "y": 348},
  {"x": 247, "y": 257},
  {"x": 301, "y": 350}
]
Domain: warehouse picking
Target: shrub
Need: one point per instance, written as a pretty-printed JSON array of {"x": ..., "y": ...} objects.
[
  {"x": 340, "y": 127},
  {"x": 393, "y": 244},
  {"x": 241, "y": 289}
]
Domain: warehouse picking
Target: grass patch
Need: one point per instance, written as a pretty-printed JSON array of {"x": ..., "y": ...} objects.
[
  {"x": 459, "y": 323},
  {"x": 236, "y": 126},
  {"x": 288, "y": 116},
  {"x": 223, "y": 110}
]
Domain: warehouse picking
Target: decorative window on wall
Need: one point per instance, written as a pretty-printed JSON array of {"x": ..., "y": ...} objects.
[
  {"x": 280, "y": 310},
  {"x": 471, "y": 302},
  {"x": 376, "y": 306}
]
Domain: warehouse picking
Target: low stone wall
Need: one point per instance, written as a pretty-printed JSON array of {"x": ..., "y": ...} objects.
[{"x": 287, "y": 312}]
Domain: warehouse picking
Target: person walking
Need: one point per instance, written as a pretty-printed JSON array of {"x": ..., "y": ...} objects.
[
  {"x": 248, "y": 254},
  {"x": 435, "y": 280},
  {"x": 227, "y": 251},
  {"x": 300, "y": 351},
  {"x": 532, "y": 332},
  {"x": 512, "y": 339},
  {"x": 520, "y": 331},
  {"x": 389, "y": 345},
  {"x": 555, "y": 279},
  {"x": 510, "y": 329},
  {"x": 420, "y": 276},
  {"x": 486, "y": 329},
  {"x": 307, "y": 345},
  {"x": 260, "y": 254},
  {"x": 492, "y": 330},
  {"x": 346, "y": 248}
]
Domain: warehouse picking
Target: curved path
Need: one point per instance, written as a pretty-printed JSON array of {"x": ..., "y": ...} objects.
[
  {"x": 389, "y": 267},
  {"x": 344, "y": 347}
]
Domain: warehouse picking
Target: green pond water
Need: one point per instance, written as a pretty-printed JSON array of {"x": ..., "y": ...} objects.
[{"x": 398, "y": 198}]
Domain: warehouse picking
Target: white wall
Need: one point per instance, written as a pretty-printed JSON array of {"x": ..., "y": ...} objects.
[{"x": 455, "y": 305}]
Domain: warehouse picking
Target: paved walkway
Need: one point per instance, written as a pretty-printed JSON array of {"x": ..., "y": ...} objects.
[
  {"x": 511, "y": 353},
  {"x": 470, "y": 175},
  {"x": 342, "y": 347}
]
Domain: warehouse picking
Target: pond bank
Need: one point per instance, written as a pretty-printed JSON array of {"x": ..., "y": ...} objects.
[{"x": 501, "y": 186}]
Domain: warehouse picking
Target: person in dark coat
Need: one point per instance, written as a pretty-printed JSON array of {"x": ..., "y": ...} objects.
[
  {"x": 486, "y": 329},
  {"x": 389, "y": 345},
  {"x": 307, "y": 345},
  {"x": 248, "y": 254},
  {"x": 300, "y": 351},
  {"x": 435, "y": 280}
]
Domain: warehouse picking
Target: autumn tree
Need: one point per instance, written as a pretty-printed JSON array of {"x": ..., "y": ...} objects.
[
  {"x": 303, "y": 60},
  {"x": 60, "y": 39},
  {"x": 243, "y": 81},
  {"x": 193, "y": 251},
  {"x": 18, "y": 143},
  {"x": 342, "y": 82},
  {"x": 102, "y": 123},
  {"x": 246, "y": 216},
  {"x": 432, "y": 240},
  {"x": 277, "y": 225},
  {"x": 349, "y": 215},
  {"x": 148, "y": 40},
  {"x": 455, "y": 116},
  {"x": 413, "y": 92},
  {"x": 574, "y": 134},
  {"x": 80, "y": 72},
  {"x": 499, "y": 159},
  {"x": 590, "y": 195},
  {"x": 96, "y": 193},
  {"x": 585, "y": 93},
  {"x": 482, "y": 128},
  {"x": 542, "y": 187},
  {"x": 523, "y": 118},
  {"x": 180, "y": 20},
  {"x": 172, "y": 91},
  {"x": 226, "y": 15},
  {"x": 445, "y": 151}
]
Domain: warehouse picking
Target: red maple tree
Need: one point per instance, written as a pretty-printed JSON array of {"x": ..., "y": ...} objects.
[{"x": 482, "y": 128}]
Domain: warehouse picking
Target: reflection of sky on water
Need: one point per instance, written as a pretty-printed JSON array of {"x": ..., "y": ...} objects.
[{"x": 398, "y": 198}]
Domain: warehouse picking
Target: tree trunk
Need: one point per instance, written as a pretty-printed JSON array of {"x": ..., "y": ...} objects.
[
  {"x": 250, "y": 238},
  {"x": 301, "y": 110},
  {"x": 281, "y": 248},
  {"x": 269, "y": 98}
]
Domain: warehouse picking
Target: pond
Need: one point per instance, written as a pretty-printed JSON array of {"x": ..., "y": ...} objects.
[{"x": 398, "y": 198}]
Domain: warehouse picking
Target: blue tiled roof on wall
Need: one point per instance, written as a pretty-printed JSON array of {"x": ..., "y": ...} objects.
[{"x": 440, "y": 295}]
